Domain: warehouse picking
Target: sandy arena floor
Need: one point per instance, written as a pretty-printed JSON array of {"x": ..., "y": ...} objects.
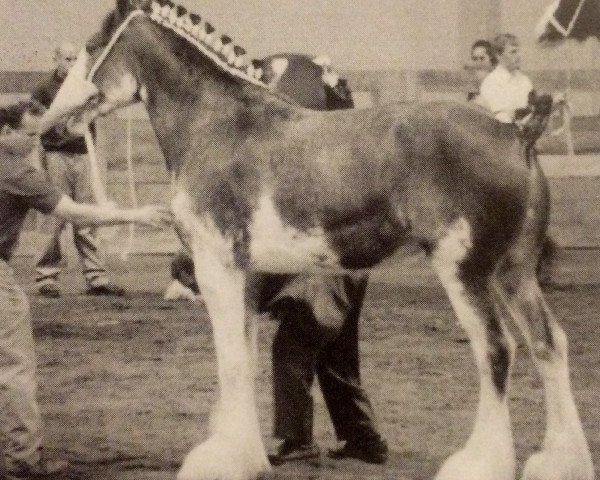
[{"x": 126, "y": 384}]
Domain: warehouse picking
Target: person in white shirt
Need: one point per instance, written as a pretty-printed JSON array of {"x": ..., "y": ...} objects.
[{"x": 506, "y": 89}]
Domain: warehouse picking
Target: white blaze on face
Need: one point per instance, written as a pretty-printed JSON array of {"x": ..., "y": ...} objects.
[{"x": 276, "y": 247}]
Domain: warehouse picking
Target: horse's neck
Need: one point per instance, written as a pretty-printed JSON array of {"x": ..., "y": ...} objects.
[
  {"x": 191, "y": 106},
  {"x": 197, "y": 125}
]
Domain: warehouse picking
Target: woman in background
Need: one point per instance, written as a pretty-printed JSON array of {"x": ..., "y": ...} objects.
[{"x": 483, "y": 61}]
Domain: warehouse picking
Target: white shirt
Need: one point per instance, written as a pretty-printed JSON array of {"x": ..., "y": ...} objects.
[{"x": 503, "y": 92}]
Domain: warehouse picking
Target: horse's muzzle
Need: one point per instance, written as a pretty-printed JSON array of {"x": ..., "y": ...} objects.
[{"x": 74, "y": 96}]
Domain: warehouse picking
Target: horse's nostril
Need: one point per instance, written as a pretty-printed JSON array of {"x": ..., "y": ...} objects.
[{"x": 96, "y": 100}]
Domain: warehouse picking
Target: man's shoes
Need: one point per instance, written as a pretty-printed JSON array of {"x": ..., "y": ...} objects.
[
  {"x": 49, "y": 290},
  {"x": 370, "y": 451},
  {"x": 107, "y": 289},
  {"x": 43, "y": 470},
  {"x": 291, "y": 451},
  {"x": 178, "y": 291}
]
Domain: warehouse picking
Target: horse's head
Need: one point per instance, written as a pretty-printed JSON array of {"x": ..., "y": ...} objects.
[
  {"x": 128, "y": 58},
  {"x": 104, "y": 76}
]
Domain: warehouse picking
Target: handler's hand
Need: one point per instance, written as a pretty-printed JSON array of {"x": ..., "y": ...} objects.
[{"x": 154, "y": 216}]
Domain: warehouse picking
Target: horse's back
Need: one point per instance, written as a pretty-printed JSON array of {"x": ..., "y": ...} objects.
[
  {"x": 373, "y": 180},
  {"x": 355, "y": 154}
]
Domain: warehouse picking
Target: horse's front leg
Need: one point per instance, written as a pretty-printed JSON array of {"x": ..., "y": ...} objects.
[{"x": 234, "y": 450}]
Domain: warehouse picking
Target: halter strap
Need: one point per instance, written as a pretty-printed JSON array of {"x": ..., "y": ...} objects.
[
  {"x": 112, "y": 42},
  {"x": 575, "y": 17}
]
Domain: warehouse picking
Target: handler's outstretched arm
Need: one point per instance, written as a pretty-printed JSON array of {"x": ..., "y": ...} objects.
[{"x": 109, "y": 214}]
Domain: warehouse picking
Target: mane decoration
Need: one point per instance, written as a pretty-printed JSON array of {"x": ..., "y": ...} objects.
[{"x": 201, "y": 34}]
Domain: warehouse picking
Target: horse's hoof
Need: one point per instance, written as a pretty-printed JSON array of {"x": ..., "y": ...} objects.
[
  {"x": 221, "y": 458},
  {"x": 559, "y": 464},
  {"x": 475, "y": 464}
]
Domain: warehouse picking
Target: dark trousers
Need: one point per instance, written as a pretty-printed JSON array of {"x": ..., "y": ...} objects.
[{"x": 318, "y": 335}]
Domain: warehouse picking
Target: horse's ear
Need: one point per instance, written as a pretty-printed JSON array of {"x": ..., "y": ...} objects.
[
  {"x": 139, "y": 4},
  {"x": 123, "y": 6},
  {"x": 126, "y": 6}
]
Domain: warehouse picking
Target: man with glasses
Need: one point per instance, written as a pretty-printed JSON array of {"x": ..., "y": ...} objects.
[{"x": 64, "y": 159}]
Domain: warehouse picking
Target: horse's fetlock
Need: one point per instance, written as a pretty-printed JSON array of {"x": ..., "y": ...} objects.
[{"x": 543, "y": 352}]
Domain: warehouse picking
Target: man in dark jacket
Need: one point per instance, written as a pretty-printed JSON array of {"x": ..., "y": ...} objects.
[{"x": 64, "y": 157}]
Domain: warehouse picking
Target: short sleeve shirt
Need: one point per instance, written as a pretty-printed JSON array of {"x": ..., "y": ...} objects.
[
  {"x": 21, "y": 187},
  {"x": 504, "y": 92}
]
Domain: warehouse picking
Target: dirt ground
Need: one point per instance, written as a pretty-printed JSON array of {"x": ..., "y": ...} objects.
[{"x": 126, "y": 384}]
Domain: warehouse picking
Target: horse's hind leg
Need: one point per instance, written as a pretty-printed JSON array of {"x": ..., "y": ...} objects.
[
  {"x": 489, "y": 452},
  {"x": 565, "y": 453}
]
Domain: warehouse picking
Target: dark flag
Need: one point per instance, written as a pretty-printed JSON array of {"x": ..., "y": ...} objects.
[{"x": 574, "y": 19}]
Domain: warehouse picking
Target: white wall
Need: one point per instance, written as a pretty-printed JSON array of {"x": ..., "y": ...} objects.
[
  {"x": 357, "y": 34},
  {"x": 362, "y": 34}
]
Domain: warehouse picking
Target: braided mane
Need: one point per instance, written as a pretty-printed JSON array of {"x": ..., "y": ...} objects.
[{"x": 201, "y": 34}]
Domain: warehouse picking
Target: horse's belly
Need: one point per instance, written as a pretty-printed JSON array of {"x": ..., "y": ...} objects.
[
  {"x": 276, "y": 246},
  {"x": 280, "y": 248}
]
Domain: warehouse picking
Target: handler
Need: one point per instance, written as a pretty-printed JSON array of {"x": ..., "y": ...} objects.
[
  {"x": 318, "y": 336},
  {"x": 65, "y": 162},
  {"x": 22, "y": 187}
]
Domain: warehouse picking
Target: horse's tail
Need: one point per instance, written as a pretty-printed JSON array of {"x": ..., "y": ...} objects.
[
  {"x": 527, "y": 247},
  {"x": 538, "y": 204},
  {"x": 532, "y": 238}
]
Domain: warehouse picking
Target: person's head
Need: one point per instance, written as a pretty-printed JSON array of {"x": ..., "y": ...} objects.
[
  {"x": 21, "y": 118},
  {"x": 507, "y": 51},
  {"x": 65, "y": 56},
  {"x": 482, "y": 59},
  {"x": 482, "y": 56}
]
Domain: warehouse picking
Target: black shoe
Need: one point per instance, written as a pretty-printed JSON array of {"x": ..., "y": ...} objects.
[
  {"x": 370, "y": 451},
  {"x": 43, "y": 470},
  {"x": 49, "y": 290},
  {"x": 291, "y": 451},
  {"x": 108, "y": 289}
]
